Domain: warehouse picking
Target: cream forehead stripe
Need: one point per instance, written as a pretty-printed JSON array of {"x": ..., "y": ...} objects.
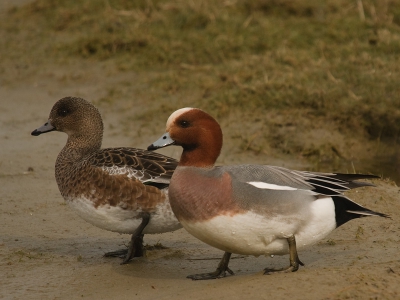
[{"x": 176, "y": 114}]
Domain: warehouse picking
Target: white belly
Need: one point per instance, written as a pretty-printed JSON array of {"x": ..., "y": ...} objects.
[
  {"x": 253, "y": 234},
  {"x": 114, "y": 218}
]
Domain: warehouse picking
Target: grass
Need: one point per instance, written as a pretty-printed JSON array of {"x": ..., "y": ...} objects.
[{"x": 280, "y": 67}]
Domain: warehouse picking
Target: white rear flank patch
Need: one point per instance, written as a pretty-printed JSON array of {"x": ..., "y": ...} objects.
[
  {"x": 176, "y": 114},
  {"x": 270, "y": 186},
  {"x": 251, "y": 233},
  {"x": 322, "y": 221}
]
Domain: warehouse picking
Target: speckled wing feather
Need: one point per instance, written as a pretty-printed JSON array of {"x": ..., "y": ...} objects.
[
  {"x": 118, "y": 177},
  {"x": 149, "y": 167}
]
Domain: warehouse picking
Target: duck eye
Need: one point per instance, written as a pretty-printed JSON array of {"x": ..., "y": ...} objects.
[
  {"x": 63, "y": 112},
  {"x": 184, "y": 124}
]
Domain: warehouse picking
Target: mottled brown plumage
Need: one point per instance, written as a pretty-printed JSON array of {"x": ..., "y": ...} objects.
[
  {"x": 102, "y": 177},
  {"x": 118, "y": 189}
]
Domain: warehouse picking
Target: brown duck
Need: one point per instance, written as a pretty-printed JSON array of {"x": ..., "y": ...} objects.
[{"x": 118, "y": 189}]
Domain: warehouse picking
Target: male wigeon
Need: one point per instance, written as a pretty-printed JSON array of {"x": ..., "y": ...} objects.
[
  {"x": 118, "y": 189},
  {"x": 251, "y": 209}
]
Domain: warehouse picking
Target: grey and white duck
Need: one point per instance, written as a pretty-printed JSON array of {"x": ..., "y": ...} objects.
[{"x": 251, "y": 209}]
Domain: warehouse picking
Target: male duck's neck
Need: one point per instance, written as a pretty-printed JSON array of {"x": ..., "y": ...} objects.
[{"x": 198, "y": 158}]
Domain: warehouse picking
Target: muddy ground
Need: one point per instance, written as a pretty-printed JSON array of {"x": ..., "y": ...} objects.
[{"x": 48, "y": 252}]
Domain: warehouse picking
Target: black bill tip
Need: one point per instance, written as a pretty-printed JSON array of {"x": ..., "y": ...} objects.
[
  {"x": 149, "y": 148},
  {"x": 36, "y": 132}
]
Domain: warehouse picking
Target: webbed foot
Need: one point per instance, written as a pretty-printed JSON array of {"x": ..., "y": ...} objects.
[
  {"x": 295, "y": 262},
  {"x": 220, "y": 272},
  {"x": 135, "y": 248}
]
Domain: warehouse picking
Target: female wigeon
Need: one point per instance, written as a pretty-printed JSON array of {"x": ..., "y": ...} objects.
[
  {"x": 118, "y": 189},
  {"x": 250, "y": 209}
]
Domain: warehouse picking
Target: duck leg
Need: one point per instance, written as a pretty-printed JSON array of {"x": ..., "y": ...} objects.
[
  {"x": 220, "y": 272},
  {"x": 135, "y": 248},
  {"x": 294, "y": 259}
]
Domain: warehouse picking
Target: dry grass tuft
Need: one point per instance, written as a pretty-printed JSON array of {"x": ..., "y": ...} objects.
[{"x": 298, "y": 76}]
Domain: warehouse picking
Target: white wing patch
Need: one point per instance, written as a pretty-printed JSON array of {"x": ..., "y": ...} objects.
[{"x": 270, "y": 186}]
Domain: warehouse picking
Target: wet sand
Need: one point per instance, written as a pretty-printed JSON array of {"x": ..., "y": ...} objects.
[{"x": 48, "y": 252}]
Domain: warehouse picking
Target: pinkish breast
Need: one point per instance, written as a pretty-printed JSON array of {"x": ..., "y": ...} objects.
[{"x": 195, "y": 197}]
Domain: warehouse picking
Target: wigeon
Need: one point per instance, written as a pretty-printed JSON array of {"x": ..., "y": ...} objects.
[
  {"x": 251, "y": 209},
  {"x": 118, "y": 189}
]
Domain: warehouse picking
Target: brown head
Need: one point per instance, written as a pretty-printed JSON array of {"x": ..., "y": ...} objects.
[
  {"x": 79, "y": 119},
  {"x": 197, "y": 132}
]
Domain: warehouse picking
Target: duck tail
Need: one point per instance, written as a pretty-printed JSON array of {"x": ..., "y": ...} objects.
[{"x": 347, "y": 210}]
